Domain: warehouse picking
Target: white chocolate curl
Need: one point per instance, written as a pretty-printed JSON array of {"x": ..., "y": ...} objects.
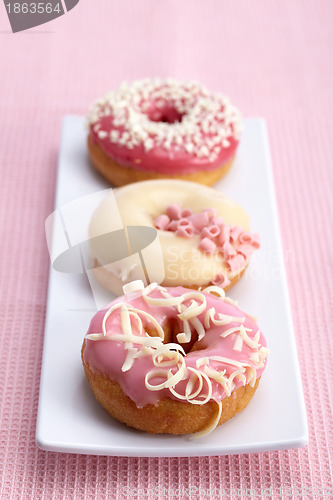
[{"x": 133, "y": 286}]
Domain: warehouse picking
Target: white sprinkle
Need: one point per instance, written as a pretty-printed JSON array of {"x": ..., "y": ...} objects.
[
  {"x": 114, "y": 135},
  {"x": 102, "y": 134},
  {"x": 189, "y": 147},
  {"x": 148, "y": 144}
]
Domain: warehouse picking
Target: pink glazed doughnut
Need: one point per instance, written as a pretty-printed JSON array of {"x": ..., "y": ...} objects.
[
  {"x": 173, "y": 360},
  {"x": 155, "y": 129}
]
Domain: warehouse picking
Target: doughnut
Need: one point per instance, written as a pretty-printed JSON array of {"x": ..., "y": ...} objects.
[
  {"x": 173, "y": 360},
  {"x": 205, "y": 237},
  {"x": 156, "y": 129}
]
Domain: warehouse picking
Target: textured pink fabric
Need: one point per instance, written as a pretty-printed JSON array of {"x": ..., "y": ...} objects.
[{"x": 274, "y": 59}]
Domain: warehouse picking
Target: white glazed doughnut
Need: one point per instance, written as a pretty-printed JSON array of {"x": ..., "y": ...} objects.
[{"x": 205, "y": 236}]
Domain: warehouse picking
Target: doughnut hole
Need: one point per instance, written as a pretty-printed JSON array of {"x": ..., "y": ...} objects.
[
  {"x": 165, "y": 114},
  {"x": 152, "y": 332},
  {"x": 171, "y": 330}
]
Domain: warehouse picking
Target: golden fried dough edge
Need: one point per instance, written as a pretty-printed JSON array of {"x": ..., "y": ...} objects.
[
  {"x": 167, "y": 416},
  {"x": 120, "y": 176}
]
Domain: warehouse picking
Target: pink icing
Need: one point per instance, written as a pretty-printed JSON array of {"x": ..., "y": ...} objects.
[
  {"x": 108, "y": 356},
  {"x": 158, "y": 159},
  {"x": 213, "y": 144}
]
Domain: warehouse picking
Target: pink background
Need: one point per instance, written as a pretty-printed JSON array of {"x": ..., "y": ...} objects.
[{"x": 274, "y": 59}]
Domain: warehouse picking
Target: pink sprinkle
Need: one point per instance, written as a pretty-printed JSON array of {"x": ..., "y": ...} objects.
[
  {"x": 174, "y": 211},
  {"x": 221, "y": 280},
  {"x": 184, "y": 222},
  {"x": 224, "y": 235},
  {"x": 245, "y": 249},
  {"x": 250, "y": 238},
  {"x": 256, "y": 240},
  {"x": 186, "y": 212},
  {"x": 199, "y": 220},
  {"x": 235, "y": 231},
  {"x": 214, "y": 234},
  {"x": 228, "y": 250},
  {"x": 236, "y": 263},
  {"x": 205, "y": 233},
  {"x": 173, "y": 225},
  {"x": 207, "y": 245},
  {"x": 185, "y": 232},
  {"x": 245, "y": 237},
  {"x": 214, "y": 230},
  {"x": 161, "y": 222}
]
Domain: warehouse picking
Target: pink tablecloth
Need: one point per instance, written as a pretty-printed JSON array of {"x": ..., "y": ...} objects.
[{"x": 274, "y": 58}]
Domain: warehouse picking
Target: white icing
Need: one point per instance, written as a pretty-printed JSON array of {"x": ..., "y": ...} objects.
[{"x": 139, "y": 204}]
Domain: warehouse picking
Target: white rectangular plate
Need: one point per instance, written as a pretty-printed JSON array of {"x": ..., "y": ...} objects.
[{"x": 71, "y": 420}]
